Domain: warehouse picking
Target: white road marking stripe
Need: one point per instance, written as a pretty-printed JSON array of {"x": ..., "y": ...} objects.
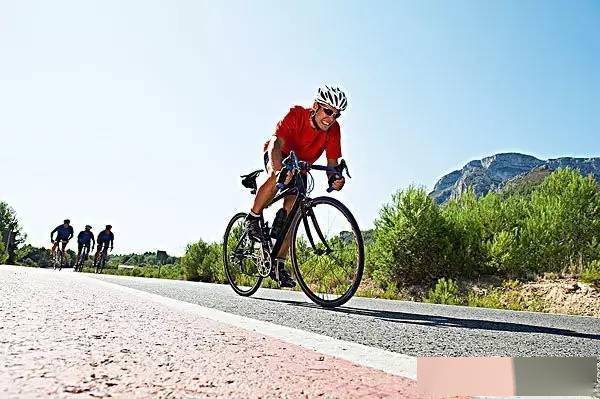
[{"x": 389, "y": 362}]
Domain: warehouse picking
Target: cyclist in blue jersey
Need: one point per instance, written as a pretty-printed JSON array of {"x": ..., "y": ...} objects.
[
  {"x": 104, "y": 238},
  {"x": 64, "y": 233},
  {"x": 83, "y": 240}
]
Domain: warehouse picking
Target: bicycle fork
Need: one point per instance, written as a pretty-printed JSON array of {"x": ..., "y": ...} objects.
[{"x": 308, "y": 213}]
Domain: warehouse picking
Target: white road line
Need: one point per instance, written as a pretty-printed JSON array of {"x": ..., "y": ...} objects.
[{"x": 389, "y": 362}]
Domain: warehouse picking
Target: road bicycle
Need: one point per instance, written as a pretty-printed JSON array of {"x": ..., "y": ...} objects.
[
  {"x": 101, "y": 260},
  {"x": 85, "y": 252},
  {"x": 326, "y": 252},
  {"x": 58, "y": 259}
]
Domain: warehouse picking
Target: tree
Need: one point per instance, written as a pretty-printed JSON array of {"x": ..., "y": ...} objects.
[
  {"x": 11, "y": 233},
  {"x": 32, "y": 256}
]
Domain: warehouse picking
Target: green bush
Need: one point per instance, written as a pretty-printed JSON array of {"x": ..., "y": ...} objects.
[
  {"x": 466, "y": 218},
  {"x": 203, "y": 262},
  {"x": 591, "y": 273},
  {"x": 563, "y": 219},
  {"x": 485, "y": 300},
  {"x": 552, "y": 227},
  {"x": 445, "y": 292},
  {"x": 30, "y": 255},
  {"x": 412, "y": 242}
]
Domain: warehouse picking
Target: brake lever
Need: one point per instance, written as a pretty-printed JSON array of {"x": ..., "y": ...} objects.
[
  {"x": 340, "y": 173},
  {"x": 343, "y": 165}
]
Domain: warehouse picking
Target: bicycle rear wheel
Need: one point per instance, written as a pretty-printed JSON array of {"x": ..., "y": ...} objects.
[
  {"x": 102, "y": 262},
  {"x": 240, "y": 257},
  {"x": 327, "y": 252}
]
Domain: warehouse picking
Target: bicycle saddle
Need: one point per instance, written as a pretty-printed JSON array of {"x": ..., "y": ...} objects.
[{"x": 249, "y": 180}]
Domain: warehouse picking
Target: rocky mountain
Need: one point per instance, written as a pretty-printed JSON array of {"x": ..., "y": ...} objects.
[{"x": 496, "y": 171}]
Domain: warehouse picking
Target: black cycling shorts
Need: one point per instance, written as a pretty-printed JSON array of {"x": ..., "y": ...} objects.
[
  {"x": 80, "y": 246},
  {"x": 103, "y": 245}
]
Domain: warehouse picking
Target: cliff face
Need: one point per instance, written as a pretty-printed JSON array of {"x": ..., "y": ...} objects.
[{"x": 493, "y": 172}]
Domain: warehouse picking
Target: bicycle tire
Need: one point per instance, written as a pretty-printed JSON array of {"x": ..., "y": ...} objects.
[
  {"x": 102, "y": 262},
  {"x": 229, "y": 267},
  {"x": 358, "y": 267}
]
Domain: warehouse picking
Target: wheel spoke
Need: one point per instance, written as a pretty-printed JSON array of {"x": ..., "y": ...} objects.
[
  {"x": 240, "y": 258},
  {"x": 332, "y": 277}
]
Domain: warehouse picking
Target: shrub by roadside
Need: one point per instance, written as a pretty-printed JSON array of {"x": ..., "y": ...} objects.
[
  {"x": 203, "y": 262},
  {"x": 591, "y": 273},
  {"x": 553, "y": 228}
]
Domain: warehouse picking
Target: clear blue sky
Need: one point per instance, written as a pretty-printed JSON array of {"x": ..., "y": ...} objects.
[{"x": 143, "y": 114}]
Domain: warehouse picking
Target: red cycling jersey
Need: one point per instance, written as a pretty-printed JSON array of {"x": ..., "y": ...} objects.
[{"x": 307, "y": 142}]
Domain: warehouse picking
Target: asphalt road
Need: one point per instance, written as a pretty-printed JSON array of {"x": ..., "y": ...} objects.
[
  {"x": 66, "y": 335},
  {"x": 414, "y": 329}
]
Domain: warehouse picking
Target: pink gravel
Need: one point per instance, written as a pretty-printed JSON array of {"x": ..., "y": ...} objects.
[{"x": 65, "y": 335}]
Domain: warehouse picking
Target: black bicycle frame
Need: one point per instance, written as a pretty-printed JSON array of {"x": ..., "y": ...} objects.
[{"x": 300, "y": 191}]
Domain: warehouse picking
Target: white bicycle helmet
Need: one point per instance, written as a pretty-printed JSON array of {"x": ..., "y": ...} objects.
[{"x": 332, "y": 96}]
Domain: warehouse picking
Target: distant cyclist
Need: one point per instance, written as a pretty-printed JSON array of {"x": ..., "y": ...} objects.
[
  {"x": 308, "y": 132},
  {"x": 105, "y": 237},
  {"x": 64, "y": 233},
  {"x": 84, "y": 238}
]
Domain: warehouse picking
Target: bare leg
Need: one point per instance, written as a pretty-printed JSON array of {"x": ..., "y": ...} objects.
[
  {"x": 98, "y": 249},
  {"x": 265, "y": 193},
  {"x": 288, "y": 203},
  {"x": 64, "y": 253}
]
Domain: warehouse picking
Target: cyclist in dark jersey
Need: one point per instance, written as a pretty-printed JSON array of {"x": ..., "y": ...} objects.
[
  {"x": 64, "y": 233},
  {"x": 308, "y": 132},
  {"x": 84, "y": 238},
  {"x": 104, "y": 238}
]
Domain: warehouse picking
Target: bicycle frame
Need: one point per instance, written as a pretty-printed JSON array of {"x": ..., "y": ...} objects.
[
  {"x": 100, "y": 259},
  {"x": 85, "y": 252},
  {"x": 60, "y": 250},
  {"x": 301, "y": 204},
  {"x": 300, "y": 198}
]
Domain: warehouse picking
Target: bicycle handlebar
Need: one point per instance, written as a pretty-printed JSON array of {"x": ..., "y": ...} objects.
[{"x": 293, "y": 163}]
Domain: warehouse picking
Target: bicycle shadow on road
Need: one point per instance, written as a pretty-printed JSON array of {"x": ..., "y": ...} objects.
[{"x": 443, "y": 321}]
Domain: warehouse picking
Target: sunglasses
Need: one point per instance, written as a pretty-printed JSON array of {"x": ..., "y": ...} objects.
[{"x": 330, "y": 112}]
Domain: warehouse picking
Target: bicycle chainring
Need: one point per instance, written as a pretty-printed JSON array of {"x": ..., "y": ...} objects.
[{"x": 264, "y": 265}]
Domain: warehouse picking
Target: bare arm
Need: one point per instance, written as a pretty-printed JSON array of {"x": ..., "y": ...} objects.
[{"x": 274, "y": 150}]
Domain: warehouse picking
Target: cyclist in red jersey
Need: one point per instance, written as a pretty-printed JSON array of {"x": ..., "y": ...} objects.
[{"x": 308, "y": 132}]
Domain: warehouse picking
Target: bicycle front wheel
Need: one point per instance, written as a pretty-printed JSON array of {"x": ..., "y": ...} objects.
[
  {"x": 327, "y": 252},
  {"x": 102, "y": 262},
  {"x": 241, "y": 257}
]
